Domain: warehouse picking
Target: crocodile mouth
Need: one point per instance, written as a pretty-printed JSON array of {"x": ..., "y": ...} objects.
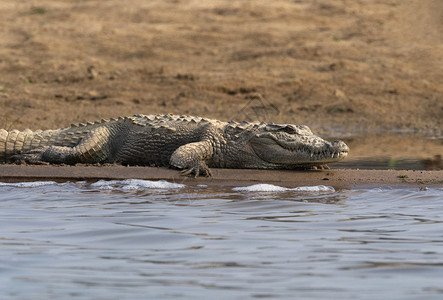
[
  {"x": 290, "y": 150},
  {"x": 336, "y": 150}
]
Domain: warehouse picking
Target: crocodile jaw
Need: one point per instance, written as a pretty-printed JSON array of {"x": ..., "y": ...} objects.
[{"x": 295, "y": 150}]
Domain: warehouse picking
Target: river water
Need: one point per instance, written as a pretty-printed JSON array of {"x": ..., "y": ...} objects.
[{"x": 138, "y": 239}]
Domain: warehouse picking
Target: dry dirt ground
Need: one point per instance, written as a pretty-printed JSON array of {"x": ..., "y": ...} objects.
[{"x": 335, "y": 65}]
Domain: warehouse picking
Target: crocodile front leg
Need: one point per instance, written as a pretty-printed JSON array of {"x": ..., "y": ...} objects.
[{"x": 191, "y": 158}]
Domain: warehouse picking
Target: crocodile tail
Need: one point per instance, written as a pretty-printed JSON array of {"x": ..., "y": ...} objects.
[
  {"x": 15, "y": 141},
  {"x": 3, "y": 138}
]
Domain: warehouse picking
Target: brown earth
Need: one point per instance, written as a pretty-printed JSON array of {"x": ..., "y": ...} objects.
[
  {"x": 325, "y": 63},
  {"x": 338, "y": 66}
]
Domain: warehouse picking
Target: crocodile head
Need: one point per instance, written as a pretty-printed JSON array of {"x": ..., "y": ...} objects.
[{"x": 294, "y": 146}]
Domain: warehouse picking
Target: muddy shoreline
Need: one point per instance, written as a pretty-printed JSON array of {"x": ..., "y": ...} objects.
[{"x": 337, "y": 178}]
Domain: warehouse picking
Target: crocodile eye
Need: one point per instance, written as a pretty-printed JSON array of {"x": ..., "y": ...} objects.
[{"x": 289, "y": 129}]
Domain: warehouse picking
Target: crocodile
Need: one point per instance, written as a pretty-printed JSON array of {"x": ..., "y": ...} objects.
[{"x": 190, "y": 144}]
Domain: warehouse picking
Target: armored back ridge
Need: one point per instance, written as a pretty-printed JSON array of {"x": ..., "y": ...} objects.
[{"x": 192, "y": 144}]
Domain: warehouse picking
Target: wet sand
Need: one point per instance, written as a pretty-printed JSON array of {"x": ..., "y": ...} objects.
[{"x": 337, "y": 178}]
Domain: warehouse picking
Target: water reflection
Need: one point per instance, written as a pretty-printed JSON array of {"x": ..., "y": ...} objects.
[
  {"x": 393, "y": 150},
  {"x": 435, "y": 163}
]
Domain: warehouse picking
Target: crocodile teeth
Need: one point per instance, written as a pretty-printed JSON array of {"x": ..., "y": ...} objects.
[
  {"x": 333, "y": 155},
  {"x": 312, "y": 154}
]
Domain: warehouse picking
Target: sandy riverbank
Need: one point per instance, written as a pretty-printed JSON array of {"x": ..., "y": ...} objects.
[{"x": 337, "y": 178}]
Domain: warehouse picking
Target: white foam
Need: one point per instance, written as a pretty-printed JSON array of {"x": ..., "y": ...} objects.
[
  {"x": 31, "y": 184},
  {"x": 314, "y": 188},
  {"x": 135, "y": 184},
  {"x": 263, "y": 187}
]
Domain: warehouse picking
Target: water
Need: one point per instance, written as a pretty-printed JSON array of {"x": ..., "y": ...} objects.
[
  {"x": 143, "y": 240},
  {"x": 393, "y": 150}
]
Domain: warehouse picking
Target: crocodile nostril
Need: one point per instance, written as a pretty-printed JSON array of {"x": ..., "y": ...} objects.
[{"x": 340, "y": 145}]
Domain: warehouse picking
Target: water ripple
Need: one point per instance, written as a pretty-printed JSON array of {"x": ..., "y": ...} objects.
[{"x": 80, "y": 240}]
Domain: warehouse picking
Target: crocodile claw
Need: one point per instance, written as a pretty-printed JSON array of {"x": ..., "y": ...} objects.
[
  {"x": 321, "y": 167},
  {"x": 197, "y": 170}
]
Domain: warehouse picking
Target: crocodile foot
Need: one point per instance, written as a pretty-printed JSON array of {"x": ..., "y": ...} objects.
[
  {"x": 200, "y": 168},
  {"x": 321, "y": 167},
  {"x": 34, "y": 157}
]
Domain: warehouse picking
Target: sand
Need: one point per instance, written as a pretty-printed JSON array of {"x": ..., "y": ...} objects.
[{"x": 336, "y": 66}]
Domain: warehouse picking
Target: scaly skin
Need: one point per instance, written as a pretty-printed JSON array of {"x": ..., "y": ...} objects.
[{"x": 191, "y": 144}]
